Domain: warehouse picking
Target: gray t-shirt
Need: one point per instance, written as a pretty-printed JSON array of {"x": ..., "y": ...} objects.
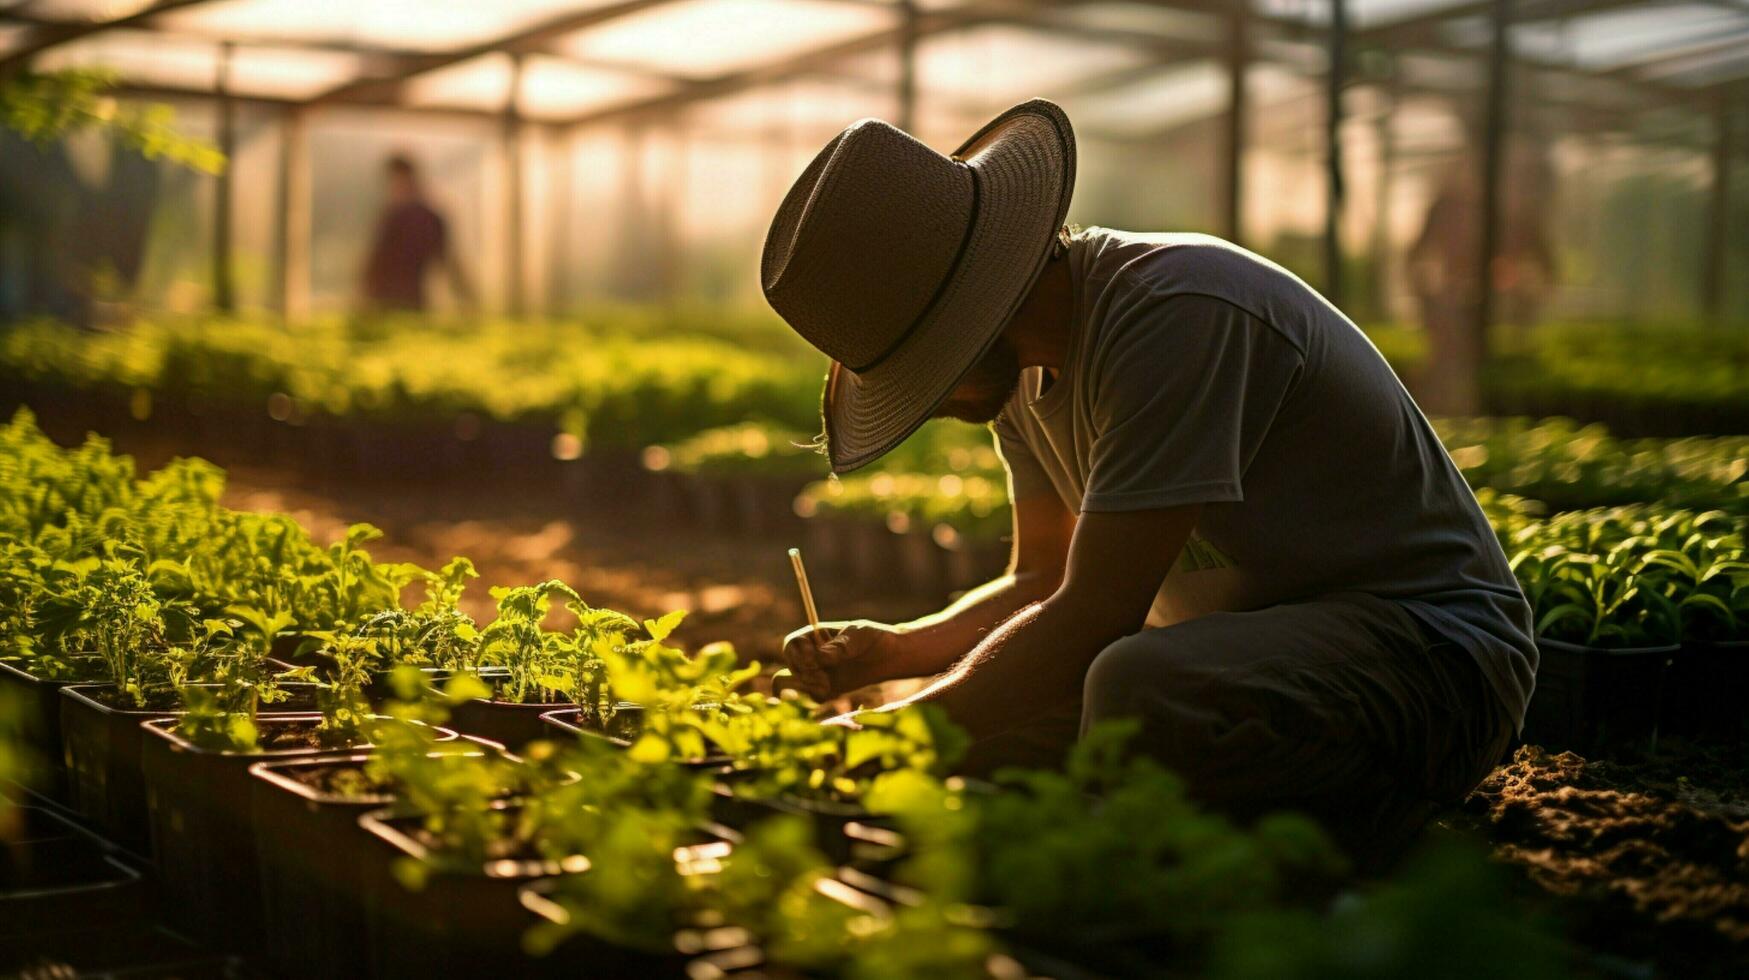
[{"x": 1199, "y": 373}]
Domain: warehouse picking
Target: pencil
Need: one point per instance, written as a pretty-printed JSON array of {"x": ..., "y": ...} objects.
[{"x": 795, "y": 560}]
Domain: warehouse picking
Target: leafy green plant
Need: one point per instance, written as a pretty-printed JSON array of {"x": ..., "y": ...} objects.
[
  {"x": 1047, "y": 845},
  {"x": 47, "y": 106}
]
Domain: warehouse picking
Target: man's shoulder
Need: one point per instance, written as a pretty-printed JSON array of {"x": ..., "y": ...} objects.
[
  {"x": 1166, "y": 263},
  {"x": 1158, "y": 268}
]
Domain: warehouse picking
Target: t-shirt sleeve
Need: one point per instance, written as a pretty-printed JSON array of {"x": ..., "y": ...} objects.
[
  {"x": 1026, "y": 476},
  {"x": 1185, "y": 390}
]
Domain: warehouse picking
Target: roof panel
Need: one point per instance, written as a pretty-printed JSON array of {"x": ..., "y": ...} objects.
[
  {"x": 1607, "y": 39},
  {"x": 95, "y": 11},
  {"x": 1145, "y": 19},
  {"x": 141, "y": 58},
  {"x": 478, "y": 83},
  {"x": 414, "y": 25},
  {"x": 556, "y": 89},
  {"x": 148, "y": 58},
  {"x": 1002, "y": 63},
  {"x": 701, "y": 38},
  {"x": 290, "y": 73}
]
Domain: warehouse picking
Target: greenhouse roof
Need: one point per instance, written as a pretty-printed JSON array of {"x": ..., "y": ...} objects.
[{"x": 1136, "y": 65}]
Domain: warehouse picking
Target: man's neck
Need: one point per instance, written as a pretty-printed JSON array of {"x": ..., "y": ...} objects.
[{"x": 1041, "y": 327}]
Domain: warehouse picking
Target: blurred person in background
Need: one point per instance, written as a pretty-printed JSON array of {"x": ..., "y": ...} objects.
[
  {"x": 1444, "y": 271},
  {"x": 1232, "y": 525},
  {"x": 410, "y": 238}
]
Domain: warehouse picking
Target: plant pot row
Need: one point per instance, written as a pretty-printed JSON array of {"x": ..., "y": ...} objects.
[
  {"x": 1588, "y": 698},
  {"x": 747, "y": 504},
  {"x": 458, "y": 450},
  {"x": 864, "y": 555}
]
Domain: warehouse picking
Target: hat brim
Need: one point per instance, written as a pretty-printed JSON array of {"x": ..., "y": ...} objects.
[{"x": 1024, "y": 160}]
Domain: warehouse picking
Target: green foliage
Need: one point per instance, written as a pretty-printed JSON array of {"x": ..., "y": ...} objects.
[
  {"x": 1446, "y": 914},
  {"x": 1048, "y": 846},
  {"x": 611, "y": 380},
  {"x": 1634, "y": 576},
  {"x": 751, "y": 449},
  {"x": 1573, "y": 467},
  {"x": 45, "y": 107}
]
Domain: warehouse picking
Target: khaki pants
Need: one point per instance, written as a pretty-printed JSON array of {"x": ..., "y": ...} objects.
[{"x": 1343, "y": 707}]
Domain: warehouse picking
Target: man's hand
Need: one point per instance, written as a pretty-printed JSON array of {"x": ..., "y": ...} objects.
[{"x": 852, "y": 655}]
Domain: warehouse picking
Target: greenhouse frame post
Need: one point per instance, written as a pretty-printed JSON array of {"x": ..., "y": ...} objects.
[
  {"x": 1385, "y": 133},
  {"x": 514, "y": 293},
  {"x": 907, "y": 92},
  {"x": 295, "y": 188},
  {"x": 1333, "y": 186},
  {"x": 1718, "y": 242},
  {"x": 1493, "y": 153},
  {"x": 1233, "y": 145},
  {"x": 224, "y": 288}
]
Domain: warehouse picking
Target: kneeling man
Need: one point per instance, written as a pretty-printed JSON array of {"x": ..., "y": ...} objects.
[{"x": 1231, "y": 521}]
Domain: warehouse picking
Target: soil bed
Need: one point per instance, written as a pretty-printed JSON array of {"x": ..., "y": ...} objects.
[{"x": 1645, "y": 856}]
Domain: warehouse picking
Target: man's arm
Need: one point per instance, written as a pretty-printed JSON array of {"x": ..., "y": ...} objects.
[
  {"x": 1115, "y": 566},
  {"x": 861, "y": 654}
]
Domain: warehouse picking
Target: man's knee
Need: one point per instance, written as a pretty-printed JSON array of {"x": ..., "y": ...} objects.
[{"x": 1123, "y": 676}]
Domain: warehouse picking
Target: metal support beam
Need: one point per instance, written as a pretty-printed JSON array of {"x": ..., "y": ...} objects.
[
  {"x": 907, "y": 95},
  {"x": 1333, "y": 183},
  {"x": 1384, "y": 130},
  {"x": 1718, "y": 242},
  {"x": 1233, "y": 147},
  {"x": 511, "y": 135},
  {"x": 48, "y": 36},
  {"x": 295, "y": 196},
  {"x": 224, "y": 286},
  {"x": 928, "y": 23},
  {"x": 1496, "y": 125},
  {"x": 561, "y": 168},
  {"x": 387, "y": 88}
]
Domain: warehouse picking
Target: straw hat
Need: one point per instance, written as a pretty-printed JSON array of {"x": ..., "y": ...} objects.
[{"x": 903, "y": 265}]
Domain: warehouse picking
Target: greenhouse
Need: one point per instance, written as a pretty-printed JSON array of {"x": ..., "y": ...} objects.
[{"x": 874, "y": 488}]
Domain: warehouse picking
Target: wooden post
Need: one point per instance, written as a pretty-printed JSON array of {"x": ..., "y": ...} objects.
[
  {"x": 224, "y": 288},
  {"x": 1233, "y": 147},
  {"x": 1333, "y": 187},
  {"x": 559, "y": 228},
  {"x": 294, "y": 216},
  {"x": 907, "y": 94},
  {"x": 1718, "y": 243},
  {"x": 514, "y": 292},
  {"x": 1493, "y": 156},
  {"x": 1385, "y": 134}
]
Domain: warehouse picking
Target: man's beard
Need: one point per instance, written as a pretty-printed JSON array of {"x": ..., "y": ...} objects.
[{"x": 985, "y": 389}]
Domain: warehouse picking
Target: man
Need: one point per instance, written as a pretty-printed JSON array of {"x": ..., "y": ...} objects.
[
  {"x": 410, "y": 237},
  {"x": 1231, "y": 521}
]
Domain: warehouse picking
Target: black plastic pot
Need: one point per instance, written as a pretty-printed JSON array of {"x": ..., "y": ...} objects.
[
  {"x": 51, "y": 881},
  {"x": 833, "y": 822},
  {"x": 40, "y": 702},
  {"x": 1587, "y": 697},
  {"x": 460, "y": 923},
  {"x": 199, "y": 801},
  {"x": 507, "y": 723},
  {"x": 471, "y": 922},
  {"x": 1707, "y": 692},
  {"x": 112, "y": 950},
  {"x": 101, "y": 746},
  {"x": 627, "y": 723},
  {"x": 311, "y": 852},
  {"x": 604, "y": 959}
]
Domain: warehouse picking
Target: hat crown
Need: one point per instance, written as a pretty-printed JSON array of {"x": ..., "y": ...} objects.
[{"x": 864, "y": 241}]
